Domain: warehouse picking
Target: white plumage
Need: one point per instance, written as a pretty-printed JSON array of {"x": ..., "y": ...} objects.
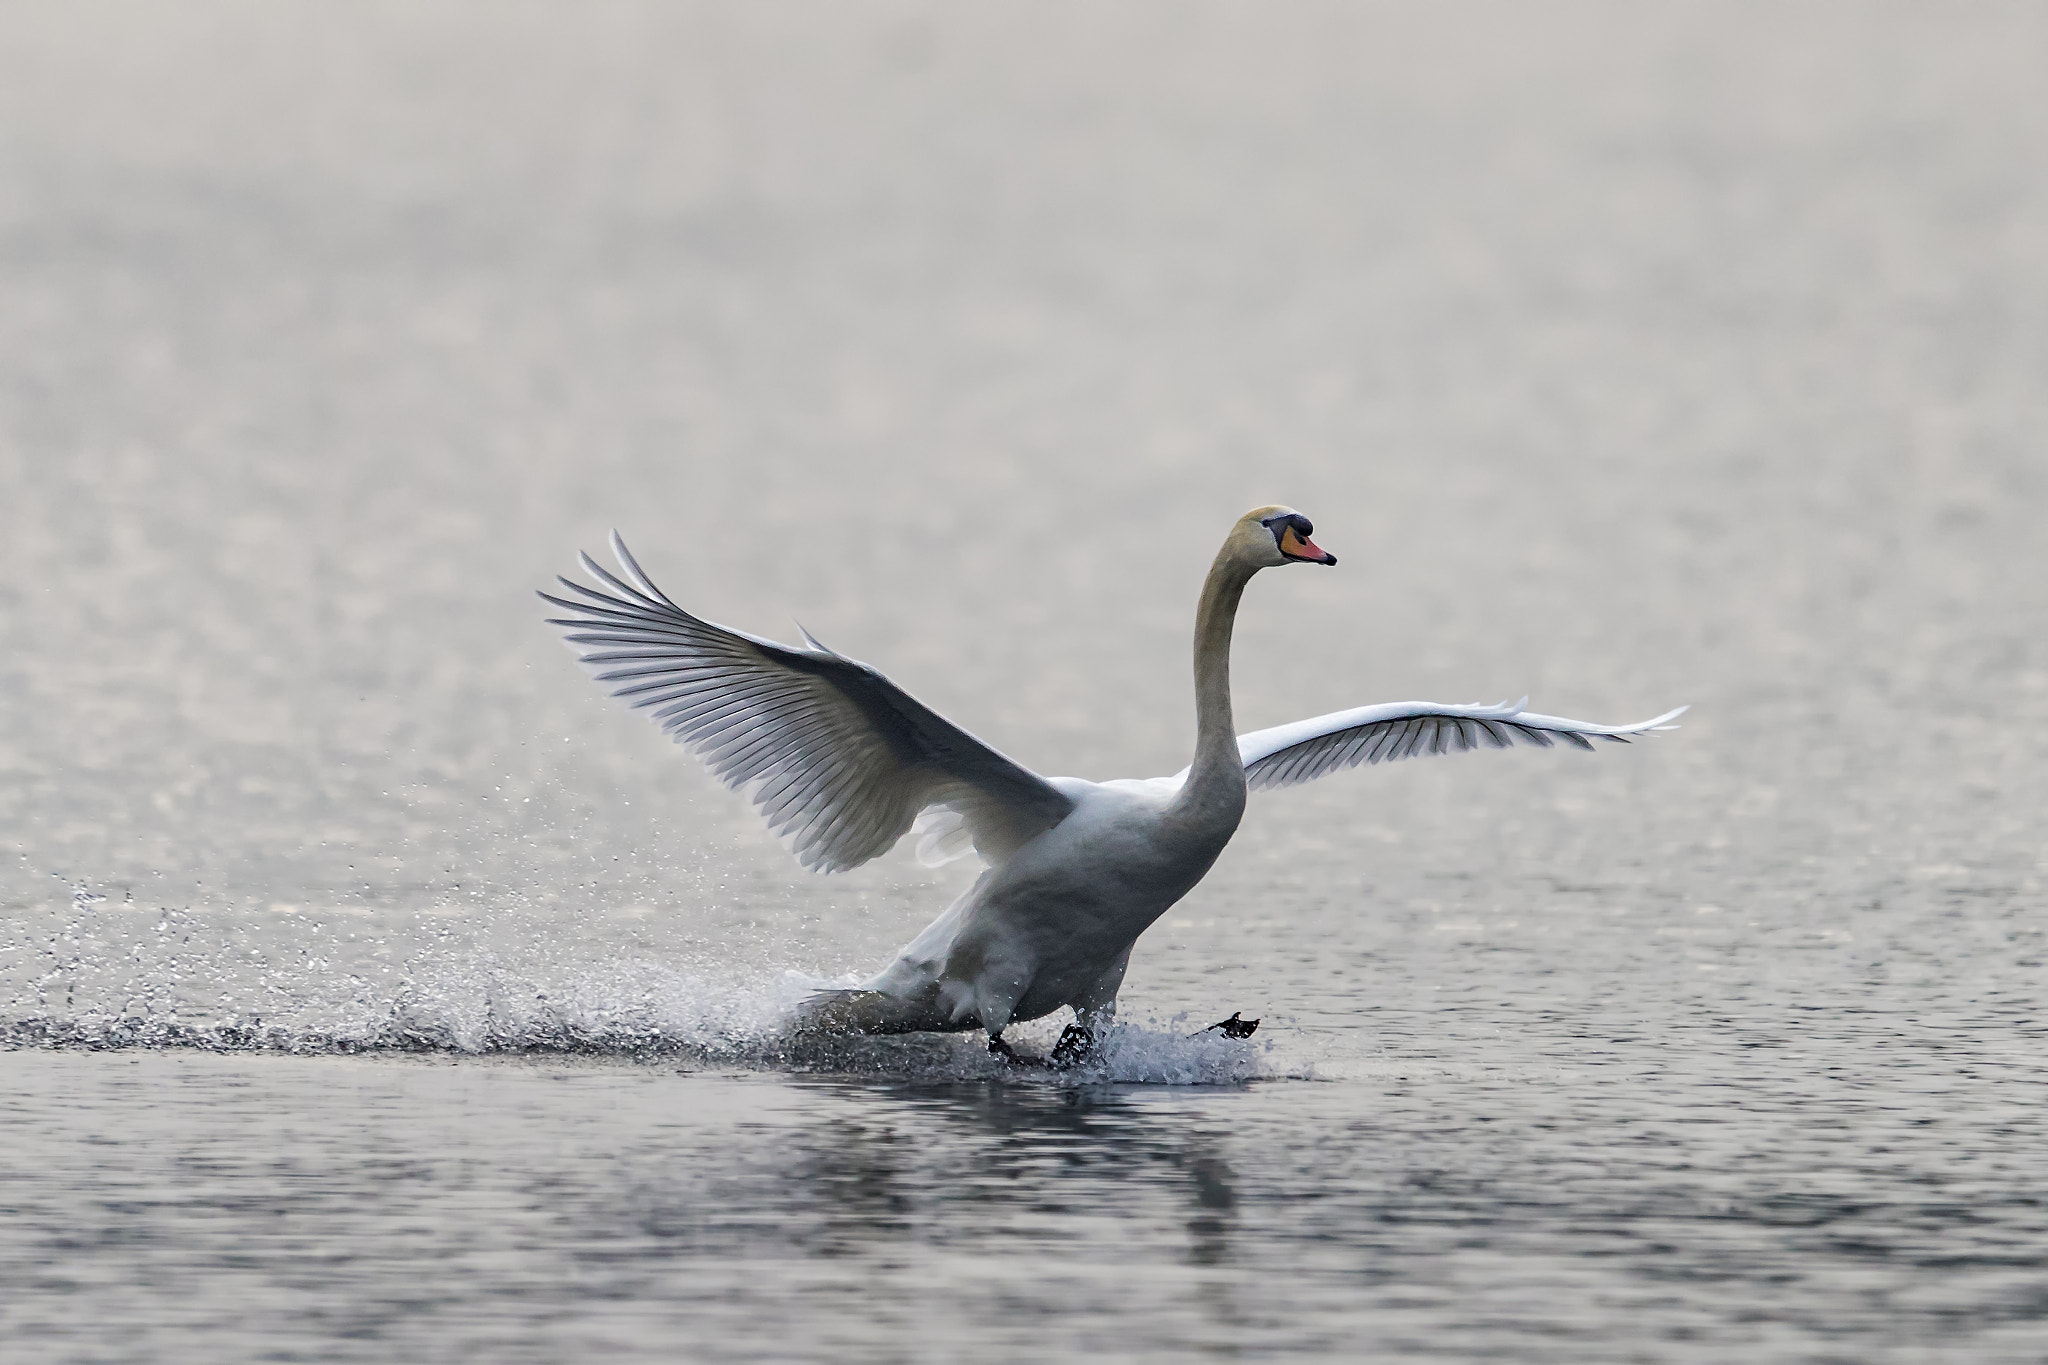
[
  {"x": 839, "y": 759},
  {"x": 842, "y": 763},
  {"x": 1306, "y": 749}
]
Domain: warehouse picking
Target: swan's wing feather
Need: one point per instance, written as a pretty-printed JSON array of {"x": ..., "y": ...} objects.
[
  {"x": 839, "y": 759},
  {"x": 1307, "y": 749}
]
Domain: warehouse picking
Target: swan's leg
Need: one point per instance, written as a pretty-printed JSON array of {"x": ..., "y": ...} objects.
[
  {"x": 1009, "y": 1056},
  {"x": 1093, "y": 1014}
]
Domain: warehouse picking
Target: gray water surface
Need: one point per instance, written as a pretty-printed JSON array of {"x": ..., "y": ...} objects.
[{"x": 374, "y": 989}]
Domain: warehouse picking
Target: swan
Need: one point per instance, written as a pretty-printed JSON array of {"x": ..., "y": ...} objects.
[{"x": 843, "y": 763}]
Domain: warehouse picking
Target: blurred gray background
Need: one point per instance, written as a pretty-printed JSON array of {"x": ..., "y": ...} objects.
[{"x": 1625, "y": 357}]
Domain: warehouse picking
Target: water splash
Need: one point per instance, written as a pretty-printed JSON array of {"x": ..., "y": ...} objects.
[{"x": 90, "y": 974}]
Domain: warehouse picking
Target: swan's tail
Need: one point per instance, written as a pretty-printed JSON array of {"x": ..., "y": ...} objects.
[{"x": 866, "y": 1011}]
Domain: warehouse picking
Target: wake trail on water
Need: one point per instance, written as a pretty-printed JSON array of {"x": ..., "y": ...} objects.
[{"x": 126, "y": 977}]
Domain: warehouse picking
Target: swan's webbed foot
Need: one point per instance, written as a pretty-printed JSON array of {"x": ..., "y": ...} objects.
[
  {"x": 1236, "y": 1026},
  {"x": 1008, "y": 1055},
  {"x": 1076, "y": 1045}
]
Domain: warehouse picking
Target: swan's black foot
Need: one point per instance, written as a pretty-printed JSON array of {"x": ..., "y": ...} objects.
[
  {"x": 1236, "y": 1026},
  {"x": 1076, "y": 1045},
  {"x": 1009, "y": 1056}
]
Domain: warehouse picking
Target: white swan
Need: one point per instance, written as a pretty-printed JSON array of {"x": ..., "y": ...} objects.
[{"x": 843, "y": 763}]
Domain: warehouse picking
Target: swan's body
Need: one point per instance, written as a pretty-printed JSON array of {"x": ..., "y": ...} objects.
[
  {"x": 843, "y": 763},
  {"x": 1051, "y": 926}
]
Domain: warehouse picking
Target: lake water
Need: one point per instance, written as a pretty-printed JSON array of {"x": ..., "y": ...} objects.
[{"x": 372, "y": 988}]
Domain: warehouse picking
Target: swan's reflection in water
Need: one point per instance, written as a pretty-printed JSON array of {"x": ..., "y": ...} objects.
[
  {"x": 553, "y": 1209},
  {"x": 1057, "y": 1153},
  {"x": 1029, "y": 1196}
]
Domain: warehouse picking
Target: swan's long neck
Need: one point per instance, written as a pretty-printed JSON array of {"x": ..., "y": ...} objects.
[{"x": 1215, "y": 789}]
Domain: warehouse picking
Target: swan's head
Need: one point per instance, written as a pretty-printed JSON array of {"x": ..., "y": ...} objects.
[{"x": 1267, "y": 537}]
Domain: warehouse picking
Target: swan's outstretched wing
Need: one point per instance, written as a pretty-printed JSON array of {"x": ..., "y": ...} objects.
[
  {"x": 1288, "y": 754},
  {"x": 839, "y": 759}
]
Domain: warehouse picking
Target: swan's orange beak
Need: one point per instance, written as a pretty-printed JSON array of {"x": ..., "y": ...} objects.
[{"x": 1295, "y": 545}]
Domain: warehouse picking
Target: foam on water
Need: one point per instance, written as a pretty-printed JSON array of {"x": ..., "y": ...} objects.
[{"x": 93, "y": 975}]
